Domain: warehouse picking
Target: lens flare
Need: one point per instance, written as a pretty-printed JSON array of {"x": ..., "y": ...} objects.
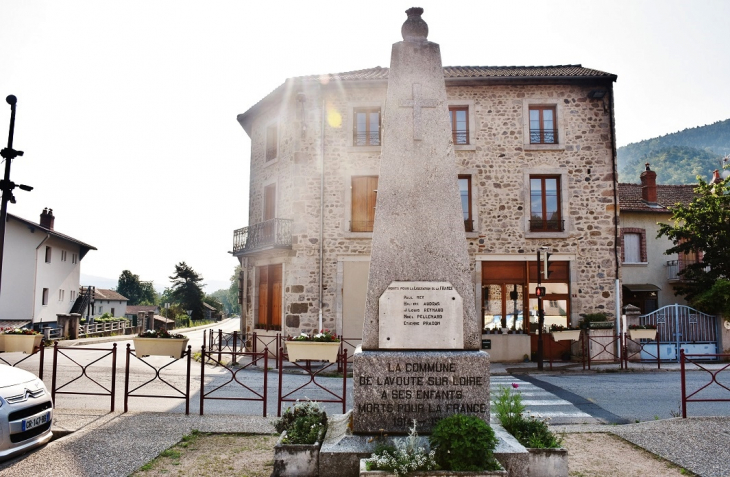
[{"x": 334, "y": 118}]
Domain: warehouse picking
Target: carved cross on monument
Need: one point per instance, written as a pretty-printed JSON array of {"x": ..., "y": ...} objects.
[{"x": 417, "y": 103}]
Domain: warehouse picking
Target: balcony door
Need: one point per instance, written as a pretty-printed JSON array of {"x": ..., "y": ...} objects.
[{"x": 270, "y": 297}]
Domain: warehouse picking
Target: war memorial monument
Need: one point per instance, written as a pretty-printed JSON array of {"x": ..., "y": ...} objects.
[{"x": 420, "y": 356}]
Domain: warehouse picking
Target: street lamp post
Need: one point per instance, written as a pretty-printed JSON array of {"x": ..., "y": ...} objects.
[{"x": 6, "y": 185}]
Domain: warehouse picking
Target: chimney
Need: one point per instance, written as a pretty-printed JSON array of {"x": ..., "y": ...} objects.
[
  {"x": 716, "y": 179},
  {"x": 47, "y": 218},
  {"x": 648, "y": 185}
]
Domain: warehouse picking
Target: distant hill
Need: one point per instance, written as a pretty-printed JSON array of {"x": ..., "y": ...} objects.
[{"x": 679, "y": 157}]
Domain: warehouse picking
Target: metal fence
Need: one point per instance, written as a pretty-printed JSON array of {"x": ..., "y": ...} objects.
[
  {"x": 66, "y": 352},
  {"x": 712, "y": 384}
]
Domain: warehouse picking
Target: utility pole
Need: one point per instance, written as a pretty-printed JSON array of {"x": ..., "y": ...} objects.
[
  {"x": 540, "y": 314},
  {"x": 6, "y": 185}
]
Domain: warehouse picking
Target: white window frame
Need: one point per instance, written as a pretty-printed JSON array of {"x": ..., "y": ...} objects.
[
  {"x": 470, "y": 105},
  {"x": 44, "y": 297},
  {"x": 49, "y": 254},
  {"x": 564, "y": 201},
  {"x": 559, "y": 112},
  {"x": 351, "y": 107}
]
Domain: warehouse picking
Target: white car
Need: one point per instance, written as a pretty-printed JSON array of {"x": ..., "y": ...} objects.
[{"x": 26, "y": 412}]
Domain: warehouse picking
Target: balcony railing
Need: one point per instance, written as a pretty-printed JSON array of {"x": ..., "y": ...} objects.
[
  {"x": 543, "y": 136},
  {"x": 274, "y": 233},
  {"x": 539, "y": 225},
  {"x": 674, "y": 267}
]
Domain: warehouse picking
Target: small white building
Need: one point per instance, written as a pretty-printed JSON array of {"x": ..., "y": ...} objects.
[
  {"x": 41, "y": 269},
  {"x": 109, "y": 301}
]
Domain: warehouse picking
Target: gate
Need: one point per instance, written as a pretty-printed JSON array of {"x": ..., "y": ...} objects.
[{"x": 680, "y": 327}]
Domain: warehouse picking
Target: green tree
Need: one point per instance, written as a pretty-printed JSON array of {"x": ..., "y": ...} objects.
[
  {"x": 187, "y": 290},
  {"x": 703, "y": 226},
  {"x": 136, "y": 291},
  {"x": 233, "y": 292},
  {"x": 222, "y": 296},
  {"x": 214, "y": 302}
]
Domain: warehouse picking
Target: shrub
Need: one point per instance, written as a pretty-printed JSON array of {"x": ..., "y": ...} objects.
[
  {"x": 530, "y": 432},
  {"x": 533, "y": 432},
  {"x": 304, "y": 423},
  {"x": 464, "y": 443}
]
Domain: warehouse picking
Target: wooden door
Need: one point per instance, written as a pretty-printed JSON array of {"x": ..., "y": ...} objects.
[{"x": 270, "y": 280}]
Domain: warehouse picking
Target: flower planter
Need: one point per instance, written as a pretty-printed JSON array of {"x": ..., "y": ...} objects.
[
  {"x": 566, "y": 335},
  {"x": 23, "y": 343},
  {"x": 314, "y": 350},
  {"x": 2, "y": 342},
  {"x": 296, "y": 459},
  {"x": 642, "y": 334},
  {"x": 172, "y": 347},
  {"x": 547, "y": 462},
  {"x": 430, "y": 473}
]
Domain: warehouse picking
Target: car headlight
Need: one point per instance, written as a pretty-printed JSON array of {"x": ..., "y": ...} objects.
[{"x": 2, "y": 401}]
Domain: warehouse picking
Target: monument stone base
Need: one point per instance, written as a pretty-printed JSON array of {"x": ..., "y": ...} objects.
[
  {"x": 342, "y": 450},
  {"x": 392, "y": 388}
]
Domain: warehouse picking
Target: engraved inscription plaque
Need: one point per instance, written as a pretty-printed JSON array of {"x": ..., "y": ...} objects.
[{"x": 421, "y": 315}]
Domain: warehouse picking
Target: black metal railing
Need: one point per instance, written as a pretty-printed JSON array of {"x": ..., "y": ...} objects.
[
  {"x": 552, "y": 225},
  {"x": 274, "y": 233},
  {"x": 367, "y": 138},
  {"x": 460, "y": 138},
  {"x": 543, "y": 136}
]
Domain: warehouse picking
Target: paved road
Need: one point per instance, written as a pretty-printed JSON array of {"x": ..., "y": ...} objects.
[{"x": 633, "y": 397}]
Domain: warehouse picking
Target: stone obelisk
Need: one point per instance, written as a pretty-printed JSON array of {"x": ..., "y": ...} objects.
[{"x": 420, "y": 355}]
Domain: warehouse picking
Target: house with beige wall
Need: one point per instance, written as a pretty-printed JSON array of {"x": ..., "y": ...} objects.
[
  {"x": 649, "y": 275},
  {"x": 535, "y": 150},
  {"x": 41, "y": 270}
]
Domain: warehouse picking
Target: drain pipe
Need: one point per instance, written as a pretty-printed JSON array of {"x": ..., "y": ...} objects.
[
  {"x": 617, "y": 290},
  {"x": 321, "y": 214}
]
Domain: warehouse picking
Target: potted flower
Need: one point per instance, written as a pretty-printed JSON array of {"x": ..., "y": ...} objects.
[
  {"x": 20, "y": 339},
  {"x": 561, "y": 333},
  {"x": 546, "y": 454},
  {"x": 302, "y": 429},
  {"x": 647, "y": 332},
  {"x": 323, "y": 346},
  {"x": 160, "y": 343}
]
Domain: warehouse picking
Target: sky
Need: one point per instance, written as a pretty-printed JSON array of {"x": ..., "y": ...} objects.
[{"x": 127, "y": 109}]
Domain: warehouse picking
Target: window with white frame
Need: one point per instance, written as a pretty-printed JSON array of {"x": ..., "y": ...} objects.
[
  {"x": 49, "y": 251},
  {"x": 73, "y": 258},
  {"x": 45, "y": 297},
  {"x": 61, "y": 294}
]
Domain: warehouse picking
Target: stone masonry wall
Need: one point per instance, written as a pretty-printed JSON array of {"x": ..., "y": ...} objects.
[{"x": 498, "y": 179}]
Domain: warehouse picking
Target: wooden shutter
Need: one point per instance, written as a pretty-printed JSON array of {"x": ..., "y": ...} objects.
[
  {"x": 263, "y": 295},
  {"x": 275, "y": 297},
  {"x": 364, "y": 194}
]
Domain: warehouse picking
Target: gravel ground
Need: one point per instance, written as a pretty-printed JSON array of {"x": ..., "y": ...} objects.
[{"x": 118, "y": 444}]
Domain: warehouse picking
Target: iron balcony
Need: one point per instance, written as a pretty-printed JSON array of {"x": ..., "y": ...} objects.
[{"x": 270, "y": 234}]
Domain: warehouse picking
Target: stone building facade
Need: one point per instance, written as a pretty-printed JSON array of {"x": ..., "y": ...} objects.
[{"x": 535, "y": 150}]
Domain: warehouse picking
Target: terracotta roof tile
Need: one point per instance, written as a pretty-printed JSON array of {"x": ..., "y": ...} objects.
[
  {"x": 450, "y": 73},
  {"x": 560, "y": 71},
  {"x": 103, "y": 294},
  {"x": 629, "y": 197}
]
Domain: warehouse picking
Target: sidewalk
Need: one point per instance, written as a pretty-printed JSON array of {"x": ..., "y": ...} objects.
[{"x": 115, "y": 444}]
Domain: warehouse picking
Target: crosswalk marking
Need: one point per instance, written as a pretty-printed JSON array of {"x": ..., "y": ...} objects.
[{"x": 540, "y": 403}]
